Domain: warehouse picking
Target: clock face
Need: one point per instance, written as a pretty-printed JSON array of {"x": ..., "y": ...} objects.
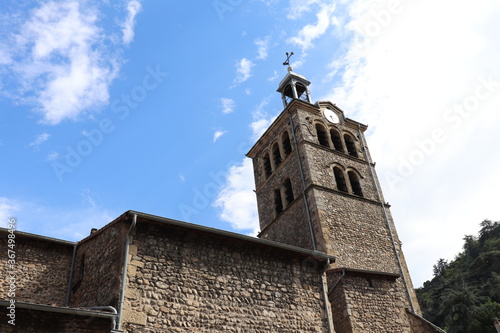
[{"x": 331, "y": 116}]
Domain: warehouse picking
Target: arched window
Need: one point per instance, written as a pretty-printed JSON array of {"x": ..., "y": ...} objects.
[
  {"x": 288, "y": 94},
  {"x": 287, "y": 147},
  {"x": 339, "y": 179},
  {"x": 351, "y": 146},
  {"x": 302, "y": 92},
  {"x": 276, "y": 154},
  {"x": 337, "y": 141},
  {"x": 322, "y": 136},
  {"x": 267, "y": 165},
  {"x": 278, "y": 204},
  {"x": 354, "y": 180},
  {"x": 288, "y": 191}
]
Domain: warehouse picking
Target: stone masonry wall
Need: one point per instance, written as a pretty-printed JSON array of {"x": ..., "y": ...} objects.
[
  {"x": 319, "y": 160},
  {"x": 42, "y": 270},
  {"x": 344, "y": 222},
  {"x": 182, "y": 281},
  {"x": 419, "y": 325},
  {"x": 265, "y": 191},
  {"x": 290, "y": 226},
  {"x": 368, "y": 303},
  {"x": 320, "y": 163},
  {"x": 357, "y": 229},
  {"x": 29, "y": 321},
  {"x": 355, "y": 232},
  {"x": 98, "y": 267}
]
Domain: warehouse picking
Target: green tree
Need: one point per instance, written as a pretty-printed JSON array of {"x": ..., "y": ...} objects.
[
  {"x": 464, "y": 295},
  {"x": 484, "y": 318},
  {"x": 439, "y": 268}
]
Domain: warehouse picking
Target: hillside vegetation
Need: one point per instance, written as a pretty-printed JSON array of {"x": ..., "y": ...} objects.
[{"x": 464, "y": 295}]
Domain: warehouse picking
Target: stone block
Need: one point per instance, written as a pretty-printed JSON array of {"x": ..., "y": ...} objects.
[
  {"x": 134, "y": 317},
  {"x": 132, "y": 249}
]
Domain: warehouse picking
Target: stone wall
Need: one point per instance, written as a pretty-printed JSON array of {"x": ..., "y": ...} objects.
[
  {"x": 29, "y": 321},
  {"x": 183, "y": 281},
  {"x": 356, "y": 228},
  {"x": 321, "y": 160},
  {"x": 420, "y": 325},
  {"x": 292, "y": 227},
  {"x": 42, "y": 269},
  {"x": 368, "y": 303},
  {"x": 98, "y": 267},
  {"x": 265, "y": 191},
  {"x": 356, "y": 232}
]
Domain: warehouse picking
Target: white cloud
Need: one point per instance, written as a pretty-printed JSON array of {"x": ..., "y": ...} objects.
[
  {"x": 260, "y": 110},
  {"x": 74, "y": 224},
  {"x": 409, "y": 83},
  {"x": 39, "y": 140},
  {"x": 4, "y": 56},
  {"x": 269, "y": 2},
  {"x": 60, "y": 60},
  {"x": 70, "y": 223},
  {"x": 237, "y": 199},
  {"x": 305, "y": 37},
  {"x": 274, "y": 77},
  {"x": 52, "y": 157},
  {"x": 66, "y": 31},
  {"x": 263, "y": 47},
  {"x": 218, "y": 134},
  {"x": 228, "y": 105},
  {"x": 89, "y": 197},
  {"x": 259, "y": 127},
  {"x": 8, "y": 209},
  {"x": 261, "y": 119},
  {"x": 243, "y": 71},
  {"x": 299, "y": 7},
  {"x": 133, "y": 8}
]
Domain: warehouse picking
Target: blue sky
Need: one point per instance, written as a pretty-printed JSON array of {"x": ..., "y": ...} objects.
[{"x": 151, "y": 105}]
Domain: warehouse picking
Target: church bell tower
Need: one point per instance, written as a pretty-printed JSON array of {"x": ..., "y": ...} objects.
[{"x": 317, "y": 188}]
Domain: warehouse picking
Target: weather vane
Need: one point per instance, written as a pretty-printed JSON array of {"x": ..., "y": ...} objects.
[{"x": 287, "y": 61}]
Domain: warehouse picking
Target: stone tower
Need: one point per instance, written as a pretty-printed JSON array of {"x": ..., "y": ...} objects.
[{"x": 317, "y": 188}]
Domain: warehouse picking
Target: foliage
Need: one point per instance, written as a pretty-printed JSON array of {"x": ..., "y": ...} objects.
[{"x": 464, "y": 295}]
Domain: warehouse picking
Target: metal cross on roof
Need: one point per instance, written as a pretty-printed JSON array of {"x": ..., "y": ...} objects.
[{"x": 287, "y": 61}]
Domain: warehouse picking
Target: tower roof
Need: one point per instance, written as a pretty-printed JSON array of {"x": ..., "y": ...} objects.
[
  {"x": 294, "y": 86},
  {"x": 290, "y": 76}
]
